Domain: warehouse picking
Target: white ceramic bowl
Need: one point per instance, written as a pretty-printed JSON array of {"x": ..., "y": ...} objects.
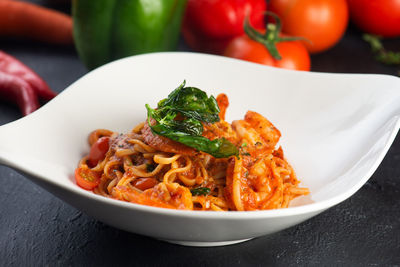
[{"x": 336, "y": 129}]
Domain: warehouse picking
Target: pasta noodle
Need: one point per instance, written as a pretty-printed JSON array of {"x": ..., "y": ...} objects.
[{"x": 144, "y": 168}]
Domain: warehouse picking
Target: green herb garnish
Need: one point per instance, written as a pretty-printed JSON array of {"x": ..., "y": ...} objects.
[
  {"x": 200, "y": 191},
  {"x": 179, "y": 117},
  {"x": 150, "y": 167}
]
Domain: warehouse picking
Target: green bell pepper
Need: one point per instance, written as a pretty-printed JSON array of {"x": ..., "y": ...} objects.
[{"x": 105, "y": 30}]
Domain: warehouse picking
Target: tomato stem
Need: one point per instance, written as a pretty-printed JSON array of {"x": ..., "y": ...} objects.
[{"x": 271, "y": 36}]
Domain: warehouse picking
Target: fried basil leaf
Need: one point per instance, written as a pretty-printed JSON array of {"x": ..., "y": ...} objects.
[
  {"x": 193, "y": 103},
  {"x": 180, "y": 116}
]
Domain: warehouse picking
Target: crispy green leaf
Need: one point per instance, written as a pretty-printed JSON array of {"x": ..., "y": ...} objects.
[
  {"x": 219, "y": 148},
  {"x": 193, "y": 103},
  {"x": 193, "y": 107}
]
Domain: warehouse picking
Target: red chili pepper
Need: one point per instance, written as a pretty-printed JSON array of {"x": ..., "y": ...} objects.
[
  {"x": 17, "y": 90},
  {"x": 13, "y": 66},
  {"x": 21, "y": 85}
]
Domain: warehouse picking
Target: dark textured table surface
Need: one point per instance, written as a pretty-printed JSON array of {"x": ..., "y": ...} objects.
[{"x": 38, "y": 229}]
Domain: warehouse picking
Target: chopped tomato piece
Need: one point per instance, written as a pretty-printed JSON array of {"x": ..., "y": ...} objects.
[
  {"x": 86, "y": 178},
  {"x": 223, "y": 103},
  {"x": 145, "y": 183},
  {"x": 98, "y": 151}
]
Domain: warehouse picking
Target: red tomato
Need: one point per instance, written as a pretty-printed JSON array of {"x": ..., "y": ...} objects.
[
  {"x": 209, "y": 25},
  {"x": 145, "y": 183},
  {"x": 322, "y": 22},
  {"x": 294, "y": 54},
  {"x": 381, "y": 17},
  {"x": 98, "y": 151},
  {"x": 86, "y": 178}
]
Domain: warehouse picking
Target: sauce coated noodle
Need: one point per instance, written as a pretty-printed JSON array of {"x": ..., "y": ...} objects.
[{"x": 148, "y": 169}]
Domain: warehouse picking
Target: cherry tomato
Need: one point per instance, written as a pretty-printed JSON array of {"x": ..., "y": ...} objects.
[
  {"x": 321, "y": 22},
  {"x": 98, "y": 151},
  {"x": 86, "y": 178},
  {"x": 381, "y": 17},
  {"x": 145, "y": 183},
  {"x": 294, "y": 54},
  {"x": 209, "y": 25}
]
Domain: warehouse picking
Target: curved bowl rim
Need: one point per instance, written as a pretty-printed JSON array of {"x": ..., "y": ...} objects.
[{"x": 241, "y": 215}]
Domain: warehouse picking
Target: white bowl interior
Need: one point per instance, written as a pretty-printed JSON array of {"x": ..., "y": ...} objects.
[{"x": 335, "y": 127}]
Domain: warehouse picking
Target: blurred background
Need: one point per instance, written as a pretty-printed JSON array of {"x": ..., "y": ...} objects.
[
  {"x": 344, "y": 36},
  {"x": 47, "y": 45}
]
